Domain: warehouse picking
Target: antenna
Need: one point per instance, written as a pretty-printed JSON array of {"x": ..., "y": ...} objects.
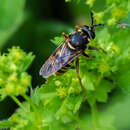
[
  {"x": 92, "y": 18},
  {"x": 92, "y": 21},
  {"x": 98, "y": 25}
]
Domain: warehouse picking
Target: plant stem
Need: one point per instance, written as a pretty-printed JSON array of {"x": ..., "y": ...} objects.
[
  {"x": 33, "y": 107},
  {"x": 18, "y": 102},
  {"x": 29, "y": 101},
  {"x": 99, "y": 80},
  {"x": 95, "y": 116}
]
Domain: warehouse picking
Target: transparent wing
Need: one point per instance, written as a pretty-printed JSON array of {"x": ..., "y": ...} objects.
[{"x": 62, "y": 56}]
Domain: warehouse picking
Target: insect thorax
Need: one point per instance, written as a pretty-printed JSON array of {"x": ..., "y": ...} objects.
[{"x": 78, "y": 40}]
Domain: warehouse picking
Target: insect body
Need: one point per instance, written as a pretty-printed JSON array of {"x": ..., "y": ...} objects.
[
  {"x": 64, "y": 55},
  {"x": 69, "y": 50}
]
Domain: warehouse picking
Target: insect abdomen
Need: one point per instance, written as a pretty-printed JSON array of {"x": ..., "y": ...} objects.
[{"x": 64, "y": 69}]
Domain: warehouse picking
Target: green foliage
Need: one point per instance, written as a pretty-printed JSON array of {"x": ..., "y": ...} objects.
[
  {"x": 6, "y": 124},
  {"x": 10, "y": 18},
  {"x": 57, "y": 40},
  {"x": 114, "y": 10},
  {"x": 58, "y": 104}
]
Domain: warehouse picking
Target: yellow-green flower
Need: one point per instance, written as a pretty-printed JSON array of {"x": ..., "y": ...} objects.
[
  {"x": 25, "y": 79},
  {"x": 57, "y": 83},
  {"x": 90, "y": 2},
  {"x": 99, "y": 17},
  {"x": 20, "y": 89},
  {"x": 10, "y": 88},
  {"x": 13, "y": 77},
  {"x": 111, "y": 21},
  {"x": 16, "y": 53},
  {"x": 119, "y": 13},
  {"x": 115, "y": 48},
  {"x": 61, "y": 92},
  {"x": 104, "y": 67}
]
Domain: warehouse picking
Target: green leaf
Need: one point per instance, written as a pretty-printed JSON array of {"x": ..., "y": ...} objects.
[
  {"x": 69, "y": 107},
  {"x": 100, "y": 93},
  {"x": 10, "y": 18},
  {"x": 6, "y": 124},
  {"x": 123, "y": 74},
  {"x": 57, "y": 40}
]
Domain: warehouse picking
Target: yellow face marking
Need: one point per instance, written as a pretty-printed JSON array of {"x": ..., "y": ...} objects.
[
  {"x": 77, "y": 43},
  {"x": 63, "y": 69},
  {"x": 89, "y": 40},
  {"x": 67, "y": 67},
  {"x": 58, "y": 52},
  {"x": 81, "y": 33},
  {"x": 58, "y": 74},
  {"x": 71, "y": 46},
  {"x": 72, "y": 39},
  {"x": 84, "y": 36}
]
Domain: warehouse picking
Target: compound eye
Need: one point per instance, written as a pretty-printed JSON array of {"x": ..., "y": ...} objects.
[
  {"x": 92, "y": 34},
  {"x": 85, "y": 28}
]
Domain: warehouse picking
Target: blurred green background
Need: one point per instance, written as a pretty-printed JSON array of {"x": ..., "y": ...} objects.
[{"x": 31, "y": 25}]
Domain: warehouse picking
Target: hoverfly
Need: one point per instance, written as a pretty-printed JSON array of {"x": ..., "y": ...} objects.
[{"x": 69, "y": 50}]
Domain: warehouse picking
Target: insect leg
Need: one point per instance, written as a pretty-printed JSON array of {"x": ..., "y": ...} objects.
[
  {"x": 77, "y": 28},
  {"x": 77, "y": 73},
  {"x": 47, "y": 81},
  {"x": 86, "y": 55},
  {"x": 65, "y": 35},
  {"x": 96, "y": 48}
]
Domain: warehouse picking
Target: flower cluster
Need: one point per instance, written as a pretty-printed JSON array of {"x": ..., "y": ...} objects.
[{"x": 13, "y": 78}]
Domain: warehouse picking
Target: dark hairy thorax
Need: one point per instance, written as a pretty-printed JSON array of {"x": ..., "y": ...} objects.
[{"x": 79, "y": 40}]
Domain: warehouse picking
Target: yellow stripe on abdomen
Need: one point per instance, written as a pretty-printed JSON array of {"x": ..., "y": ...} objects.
[{"x": 64, "y": 69}]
